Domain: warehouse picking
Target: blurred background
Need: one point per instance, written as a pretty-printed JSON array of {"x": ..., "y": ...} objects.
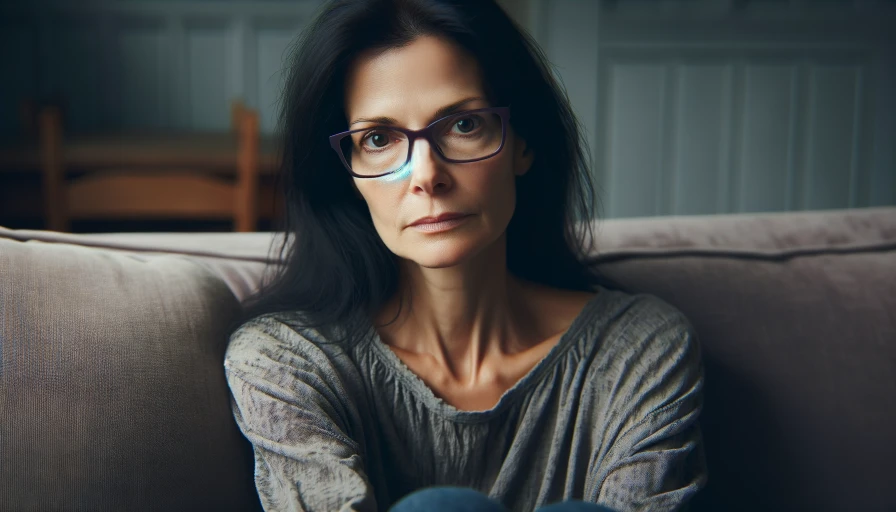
[{"x": 161, "y": 115}]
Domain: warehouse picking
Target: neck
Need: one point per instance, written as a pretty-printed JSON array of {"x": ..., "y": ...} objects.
[{"x": 458, "y": 315}]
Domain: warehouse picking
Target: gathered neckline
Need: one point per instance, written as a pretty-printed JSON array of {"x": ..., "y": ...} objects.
[{"x": 427, "y": 396}]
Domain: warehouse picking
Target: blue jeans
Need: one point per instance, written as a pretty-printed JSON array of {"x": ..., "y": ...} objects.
[{"x": 459, "y": 499}]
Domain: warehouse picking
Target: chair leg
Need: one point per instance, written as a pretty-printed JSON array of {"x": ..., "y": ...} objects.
[{"x": 246, "y": 193}]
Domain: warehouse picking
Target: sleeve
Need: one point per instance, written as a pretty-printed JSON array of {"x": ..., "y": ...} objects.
[
  {"x": 286, "y": 401},
  {"x": 657, "y": 463}
]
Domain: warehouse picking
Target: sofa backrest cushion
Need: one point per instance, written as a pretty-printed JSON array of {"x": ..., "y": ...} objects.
[
  {"x": 796, "y": 314},
  {"x": 112, "y": 393}
]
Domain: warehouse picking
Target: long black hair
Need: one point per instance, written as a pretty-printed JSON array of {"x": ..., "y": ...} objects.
[{"x": 336, "y": 270}]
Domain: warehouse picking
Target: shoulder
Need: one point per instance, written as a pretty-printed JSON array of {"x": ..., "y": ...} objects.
[
  {"x": 276, "y": 368},
  {"x": 280, "y": 331},
  {"x": 624, "y": 324},
  {"x": 639, "y": 346},
  {"x": 647, "y": 352},
  {"x": 280, "y": 339},
  {"x": 638, "y": 324}
]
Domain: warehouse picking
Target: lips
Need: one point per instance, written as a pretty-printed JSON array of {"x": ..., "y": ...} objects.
[{"x": 440, "y": 218}]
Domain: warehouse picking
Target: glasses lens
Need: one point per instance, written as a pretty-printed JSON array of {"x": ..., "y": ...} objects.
[
  {"x": 461, "y": 137},
  {"x": 375, "y": 151},
  {"x": 469, "y": 136}
]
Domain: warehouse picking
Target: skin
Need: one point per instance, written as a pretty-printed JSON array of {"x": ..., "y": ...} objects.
[{"x": 468, "y": 328}]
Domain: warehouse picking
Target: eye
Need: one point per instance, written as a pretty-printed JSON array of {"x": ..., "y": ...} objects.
[
  {"x": 378, "y": 139},
  {"x": 467, "y": 124}
]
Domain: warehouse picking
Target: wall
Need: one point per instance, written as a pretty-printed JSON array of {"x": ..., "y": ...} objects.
[
  {"x": 147, "y": 63},
  {"x": 689, "y": 106},
  {"x": 708, "y": 106}
]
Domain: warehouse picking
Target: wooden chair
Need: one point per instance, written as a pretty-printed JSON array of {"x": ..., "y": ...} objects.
[{"x": 143, "y": 185}]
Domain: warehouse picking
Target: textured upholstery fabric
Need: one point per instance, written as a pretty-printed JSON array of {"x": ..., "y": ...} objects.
[
  {"x": 797, "y": 319},
  {"x": 796, "y": 314},
  {"x": 242, "y": 261},
  {"x": 112, "y": 394}
]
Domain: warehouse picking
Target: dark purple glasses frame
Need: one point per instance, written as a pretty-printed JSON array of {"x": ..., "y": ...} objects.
[{"x": 426, "y": 133}]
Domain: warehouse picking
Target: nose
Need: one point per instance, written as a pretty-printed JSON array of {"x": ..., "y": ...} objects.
[{"x": 428, "y": 174}]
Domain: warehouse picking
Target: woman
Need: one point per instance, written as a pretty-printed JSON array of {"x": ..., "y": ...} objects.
[{"x": 433, "y": 339}]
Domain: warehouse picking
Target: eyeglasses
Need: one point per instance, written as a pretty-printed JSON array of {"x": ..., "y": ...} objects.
[{"x": 463, "y": 137}]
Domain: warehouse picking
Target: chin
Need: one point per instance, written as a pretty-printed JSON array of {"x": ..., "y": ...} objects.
[
  {"x": 445, "y": 253},
  {"x": 438, "y": 262},
  {"x": 440, "y": 258}
]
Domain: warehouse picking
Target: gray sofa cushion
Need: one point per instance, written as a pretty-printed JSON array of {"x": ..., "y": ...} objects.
[
  {"x": 796, "y": 315},
  {"x": 241, "y": 260},
  {"x": 112, "y": 394}
]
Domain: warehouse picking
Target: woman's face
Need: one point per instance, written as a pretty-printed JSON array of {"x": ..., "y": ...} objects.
[{"x": 410, "y": 85}]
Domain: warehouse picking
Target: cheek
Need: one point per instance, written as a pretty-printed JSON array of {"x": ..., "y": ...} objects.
[
  {"x": 497, "y": 186},
  {"x": 490, "y": 184},
  {"x": 383, "y": 201}
]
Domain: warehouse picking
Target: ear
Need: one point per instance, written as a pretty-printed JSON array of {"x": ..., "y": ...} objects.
[{"x": 523, "y": 156}]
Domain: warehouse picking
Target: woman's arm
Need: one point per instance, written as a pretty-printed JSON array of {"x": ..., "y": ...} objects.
[
  {"x": 657, "y": 462},
  {"x": 290, "y": 405}
]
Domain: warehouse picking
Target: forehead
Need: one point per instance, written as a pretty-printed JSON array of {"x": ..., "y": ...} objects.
[{"x": 413, "y": 80}]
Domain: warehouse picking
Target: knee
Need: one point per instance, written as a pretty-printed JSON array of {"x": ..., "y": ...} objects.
[
  {"x": 447, "y": 499},
  {"x": 575, "y": 506}
]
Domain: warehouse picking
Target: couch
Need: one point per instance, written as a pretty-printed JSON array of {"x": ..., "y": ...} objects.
[{"x": 112, "y": 392}]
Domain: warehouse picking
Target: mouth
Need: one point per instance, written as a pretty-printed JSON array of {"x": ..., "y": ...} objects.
[{"x": 441, "y": 222}]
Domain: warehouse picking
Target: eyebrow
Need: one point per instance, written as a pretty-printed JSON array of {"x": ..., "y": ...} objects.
[{"x": 440, "y": 113}]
